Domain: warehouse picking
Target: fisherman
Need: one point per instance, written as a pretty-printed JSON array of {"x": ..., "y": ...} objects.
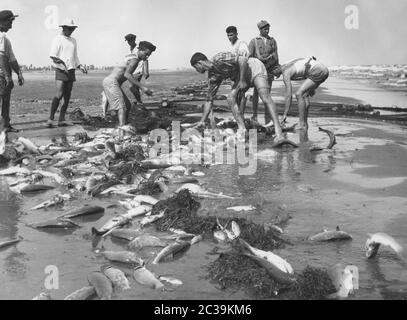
[
  {"x": 314, "y": 73},
  {"x": 244, "y": 72},
  {"x": 64, "y": 54},
  {"x": 264, "y": 48},
  {"x": 116, "y": 98},
  {"x": 8, "y": 63},
  {"x": 240, "y": 48},
  {"x": 142, "y": 68}
]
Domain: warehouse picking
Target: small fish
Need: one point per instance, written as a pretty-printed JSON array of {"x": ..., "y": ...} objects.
[
  {"x": 82, "y": 294},
  {"x": 43, "y": 296},
  {"x": 145, "y": 277},
  {"x": 138, "y": 211},
  {"x": 220, "y": 236},
  {"x": 332, "y": 138},
  {"x": 331, "y": 235},
  {"x": 171, "y": 250},
  {"x": 129, "y": 204},
  {"x": 83, "y": 211},
  {"x": 235, "y": 229},
  {"x": 177, "y": 168},
  {"x": 67, "y": 163},
  {"x": 242, "y": 208},
  {"x": 102, "y": 186},
  {"x": 102, "y": 285},
  {"x": 145, "y": 241},
  {"x": 196, "y": 239},
  {"x": 198, "y": 191},
  {"x": 6, "y": 244},
  {"x": 29, "y": 145},
  {"x": 55, "y": 223},
  {"x": 126, "y": 234},
  {"x": 124, "y": 257},
  {"x": 198, "y": 174},
  {"x": 57, "y": 199},
  {"x": 147, "y": 199},
  {"x": 58, "y": 178},
  {"x": 31, "y": 188},
  {"x": 15, "y": 170},
  {"x": 375, "y": 240},
  {"x": 118, "y": 278},
  {"x": 171, "y": 280}
]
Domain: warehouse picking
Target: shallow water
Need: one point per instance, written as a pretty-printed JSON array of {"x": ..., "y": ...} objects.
[{"x": 359, "y": 185}]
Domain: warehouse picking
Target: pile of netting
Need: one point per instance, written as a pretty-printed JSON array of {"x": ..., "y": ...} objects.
[{"x": 232, "y": 269}]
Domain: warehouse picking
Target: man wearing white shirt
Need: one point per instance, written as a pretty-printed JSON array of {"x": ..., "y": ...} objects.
[{"x": 64, "y": 54}]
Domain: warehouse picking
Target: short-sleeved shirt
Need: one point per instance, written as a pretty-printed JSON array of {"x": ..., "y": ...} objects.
[
  {"x": 240, "y": 48},
  {"x": 261, "y": 47},
  {"x": 225, "y": 66},
  {"x": 65, "y": 48},
  {"x": 6, "y": 50}
]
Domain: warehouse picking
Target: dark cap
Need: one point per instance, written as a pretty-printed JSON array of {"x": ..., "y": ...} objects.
[
  {"x": 262, "y": 24},
  {"x": 147, "y": 45},
  {"x": 130, "y": 36},
  {"x": 6, "y": 15}
]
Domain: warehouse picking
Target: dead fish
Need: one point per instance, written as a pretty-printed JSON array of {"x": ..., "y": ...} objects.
[
  {"x": 29, "y": 145},
  {"x": 171, "y": 280},
  {"x": 91, "y": 182},
  {"x": 36, "y": 188},
  {"x": 43, "y": 296},
  {"x": 124, "y": 257},
  {"x": 150, "y": 219},
  {"x": 58, "y": 178},
  {"x": 111, "y": 224},
  {"x": 84, "y": 293},
  {"x": 220, "y": 236},
  {"x": 331, "y": 235},
  {"x": 117, "y": 277},
  {"x": 57, "y": 199},
  {"x": 155, "y": 164},
  {"x": 332, "y": 138},
  {"x": 198, "y": 191},
  {"x": 83, "y": 211},
  {"x": 183, "y": 180},
  {"x": 9, "y": 243},
  {"x": 198, "y": 174},
  {"x": 138, "y": 211},
  {"x": 129, "y": 204},
  {"x": 147, "y": 199},
  {"x": 102, "y": 284},
  {"x": 171, "y": 250},
  {"x": 375, "y": 240},
  {"x": 67, "y": 163},
  {"x": 55, "y": 223},
  {"x": 177, "y": 168},
  {"x": 145, "y": 277},
  {"x": 272, "y": 258},
  {"x": 196, "y": 239},
  {"x": 283, "y": 142},
  {"x": 126, "y": 234},
  {"x": 230, "y": 234},
  {"x": 146, "y": 240},
  {"x": 342, "y": 279},
  {"x": 15, "y": 170},
  {"x": 315, "y": 149},
  {"x": 101, "y": 186},
  {"x": 242, "y": 208}
]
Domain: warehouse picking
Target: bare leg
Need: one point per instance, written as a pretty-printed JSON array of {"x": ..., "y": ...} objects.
[
  {"x": 67, "y": 96},
  {"x": 255, "y": 101},
  {"x": 307, "y": 105},
  {"x": 57, "y": 98},
  {"x": 267, "y": 115},
  {"x": 232, "y": 100},
  {"x": 242, "y": 106},
  {"x": 301, "y": 95}
]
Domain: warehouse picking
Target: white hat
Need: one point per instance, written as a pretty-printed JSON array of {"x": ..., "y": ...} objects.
[{"x": 68, "y": 23}]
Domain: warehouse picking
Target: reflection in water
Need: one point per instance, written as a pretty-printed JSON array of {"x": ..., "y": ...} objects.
[{"x": 14, "y": 263}]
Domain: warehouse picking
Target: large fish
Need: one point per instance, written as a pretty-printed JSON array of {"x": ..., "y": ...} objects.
[
  {"x": 83, "y": 211},
  {"x": 150, "y": 219},
  {"x": 124, "y": 257},
  {"x": 118, "y": 278},
  {"x": 375, "y": 240},
  {"x": 103, "y": 185},
  {"x": 58, "y": 178},
  {"x": 147, "y": 199},
  {"x": 242, "y": 208},
  {"x": 8, "y": 243},
  {"x": 102, "y": 285},
  {"x": 84, "y": 293},
  {"x": 29, "y": 145},
  {"x": 32, "y": 188},
  {"x": 55, "y": 223},
  {"x": 171, "y": 250},
  {"x": 272, "y": 258},
  {"x": 43, "y": 296},
  {"x": 126, "y": 234},
  {"x": 331, "y": 235},
  {"x": 332, "y": 138},
  {"x": 112, "y": 224},
  {"x": 200, "y": 192},
  {"x": 145, "y": 240},
  {"x": 138, "y": 211},
  {"x": 15, "y": 170},
  {"x": 146, "y": 278},
  {"x": 57, "y": 199}
]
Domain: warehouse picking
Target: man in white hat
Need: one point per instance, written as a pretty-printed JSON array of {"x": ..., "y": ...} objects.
[
  {"x": 8, "y": 63},
  {"x": 64, "y": 54}
]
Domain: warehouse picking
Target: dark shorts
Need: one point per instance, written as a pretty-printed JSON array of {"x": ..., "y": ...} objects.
[
  {"x": 318, "y": 74},
  {"x": 65, "y": 76}
]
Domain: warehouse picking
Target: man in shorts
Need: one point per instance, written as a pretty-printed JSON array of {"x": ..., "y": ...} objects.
[
  {"x": 112, "y": 84},
  {"x": 64, "y": 54},
  {"x": 244, "y": 72},
  {"x": 314, "y": 73}
]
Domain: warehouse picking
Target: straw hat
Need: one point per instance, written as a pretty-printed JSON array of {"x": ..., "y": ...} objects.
[{"x": 68, "y": 23}]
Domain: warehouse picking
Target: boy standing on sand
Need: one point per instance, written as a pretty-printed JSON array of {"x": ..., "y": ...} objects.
[
  {"x": 264, "y": 48},
  {"x": 314, "y": 73},
  {"x": 8, "y": 63},
  {"x": 244, "y": 72},
  {"x": 116, "y": 98},
  {"x": 64, "y": 54}
]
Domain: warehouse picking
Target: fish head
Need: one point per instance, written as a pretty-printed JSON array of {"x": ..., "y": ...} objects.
[{"x": 371, "y": 248}]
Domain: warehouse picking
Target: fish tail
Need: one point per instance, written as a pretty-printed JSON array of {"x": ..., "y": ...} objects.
[{"x": 96, "y": 232}]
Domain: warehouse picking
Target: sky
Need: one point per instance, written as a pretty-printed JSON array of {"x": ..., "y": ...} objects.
[{"x": 180, "y": 28}]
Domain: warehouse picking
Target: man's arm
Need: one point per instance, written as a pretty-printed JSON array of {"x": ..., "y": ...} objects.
[
  {"x": 131, "y": 67},
  {"x": 16, "y": 68},
  {"x": 146, "y": 71},
  {"x": 4, "y": 65},
  {"x": 252, "y": 49},
  {"x": 243, "y": 67}
]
